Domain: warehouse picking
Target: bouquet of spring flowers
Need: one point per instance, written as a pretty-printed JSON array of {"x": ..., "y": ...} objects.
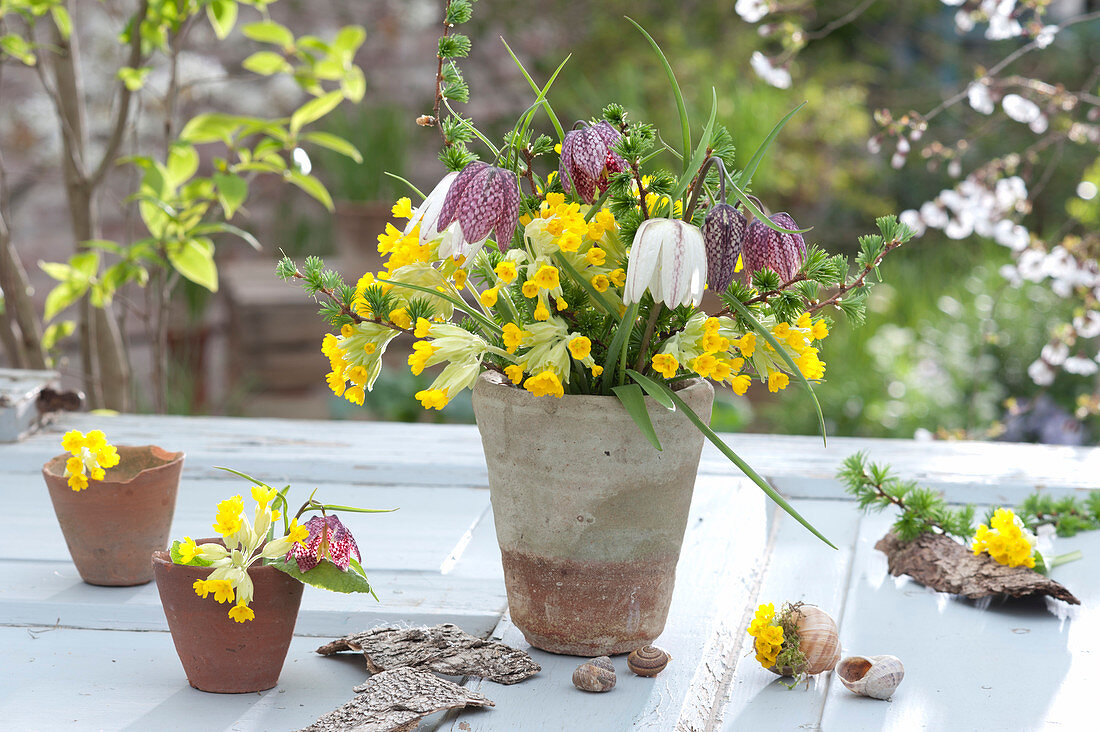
[
  {"x": 577, "y": 263},
  {"x": 320, "y": 552}
]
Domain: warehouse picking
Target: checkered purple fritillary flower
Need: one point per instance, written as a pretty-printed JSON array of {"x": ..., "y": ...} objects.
[
  {"x": 482, "y": 199},
  {"x": 779, "y": 251},
  {"x": 723, "y": 233},
  {"x": 328, "y": 539},
  {"x": 588, "y": 159}
]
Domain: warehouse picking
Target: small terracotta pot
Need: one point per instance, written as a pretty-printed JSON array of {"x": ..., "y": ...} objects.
[
  {"x": 219, "y": 654},
  {"x": 589, "y": 516},
  {"x": 113, "y": 525}
]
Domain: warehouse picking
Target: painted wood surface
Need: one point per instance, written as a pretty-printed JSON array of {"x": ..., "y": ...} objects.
[{"x": 969, "y": 665}]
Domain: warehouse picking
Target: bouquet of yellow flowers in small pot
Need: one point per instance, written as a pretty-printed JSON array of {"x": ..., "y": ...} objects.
[
  {"x": 319, "y": 552},
  {"x": 576, "y": 262}
]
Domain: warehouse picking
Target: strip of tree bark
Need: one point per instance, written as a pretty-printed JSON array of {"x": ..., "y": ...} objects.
[
  {"x": 945, "y": 565},
  {"x": 396, "y": 701},
  {"x": 446, "y": 649}
]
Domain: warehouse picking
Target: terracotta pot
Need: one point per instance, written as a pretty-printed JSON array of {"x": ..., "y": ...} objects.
[
  {"x": 219, "y": 654},
  {"x": 114, "y": 524},
  {"x": 589, "y": 516}
]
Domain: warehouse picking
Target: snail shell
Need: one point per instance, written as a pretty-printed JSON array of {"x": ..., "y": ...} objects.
[
  {"x": 597, "y": 675},
  {"x": 648, "y": 661},
  {"x": 818, "y": 639},
  {"x": 873, "y": 676}
]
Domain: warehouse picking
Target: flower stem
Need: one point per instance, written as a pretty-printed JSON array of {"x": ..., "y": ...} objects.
[
  {"x": 1065, "y": 558},
  {"x": 654, "y": 313}
]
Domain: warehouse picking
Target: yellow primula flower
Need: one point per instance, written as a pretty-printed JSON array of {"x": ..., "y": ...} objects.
[
  {"x": 423, "y": 327},
  {"x": 580, "y": 347},
  {"x": 297, "y": 534},
  {"x": 740, "y": 384},
  {"x": 459, "y": 278},
  {"x": 432, "y": 398},
  {"x": 597, "y": 370},
  {"x": 400, "y": 318},
  {"x": 222, "y": 589},
  {"x": 570, "y": 241},
  {"x": 777, "y": 381},
  {"x": 541, "y": 313},
  {"x": 489, "y": 297},
  {"x": 530, "y": 289},
  {"x": 188, "y": 549},
  {"x": 403, "y": 208},
  {"x": 243, "y": 613},
  {"x": 263, "y": 495},
  {"x": 514, "y": 372},
  {"x": 546, "y": 278},
  {"x": 513, "y": 336},
  {"x": 704, "y": 365},
  {"x": 746, "y": 344},
  {"x": 546, "y": 383},
  {"x": 506, "y": 271},
  {"x": 617, "y": 277},
  {"x": 820, "y": 330},
  {"x": 1006, "y": 540},
  {"x": 90, "y": 456},
  {"x": 600, "y": 283},
  {"x": 666, "y": 365}
]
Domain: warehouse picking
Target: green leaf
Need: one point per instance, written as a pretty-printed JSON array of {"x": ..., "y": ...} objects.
[
  {"x": 269, "y": 31},
  {"x": 334, "y": 143},
  {"x": 62, "y": 20},
  {"x": 267, "y": 63},
  {"x": 744, "y": 312},
  {"x": 744, "y": 198},
  {"x": 348, "y": 40},
  {"x": 194, "y": 259},
  {"x": 685, "y": 128},
  {"x": 634, "y": 401},
  {"x": 223, "y": 16},
  {"x": 222, "y": 227},
  {"x": 210, "y": 128},
  {"x": 56, "y": 332},
  {"x": 134, "y": 79},
  {"x": 354, "y": 84},
  {"x": 535, "y": 87},
  {"x": 18, "y": 47},
  {"x": 700, "y": 155},
  {"x": 325, "y": 575},
  {"x": 729, "y": 453},
  {"x": 618, "y": 345},
  {"x": 754, "y": 162},
  {"x": 62, "y": 296},
  {"x": 313, "y": 186},
  {"x": 654, "y": 388},
  {"x": 232, "y": 192},
  {"x": 86, "y": 264},
  {"x": 57, "y": 270},
  {"x": 177, "y": 558},
  {"x": 183, "y": 161},
  {"x": 314, "y": 110}
]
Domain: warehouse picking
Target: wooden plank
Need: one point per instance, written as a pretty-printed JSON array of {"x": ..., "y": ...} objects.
[
  {"x": 716, "y": 578},
  {"x": 971, "y": 665},
  {"x": 91, "y": 679},
  {"x": 800, "y": 569}
]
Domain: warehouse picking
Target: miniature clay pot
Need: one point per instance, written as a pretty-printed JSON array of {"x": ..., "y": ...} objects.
[
  {"x": 219, "y": 654},
  {"x": 113, "y": 525},
  {"x": 589, "y": 516}
]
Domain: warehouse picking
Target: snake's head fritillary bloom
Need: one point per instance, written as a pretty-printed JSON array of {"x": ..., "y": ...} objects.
[
  {"x": 779, "y": 251},
  {"x": 427, "y": 213},
  {"x": 588, "y": 159},
  {"x": 668, "y": 258},
  {"x": 723, "y": 233},
  {"x": 482, "y": 198},
  {"x": 328, "y": 539}
]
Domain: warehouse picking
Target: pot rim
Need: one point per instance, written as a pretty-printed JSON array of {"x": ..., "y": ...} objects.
[
  {"x": 684, "y": 388},
  {"x": 171, "y": 459}
]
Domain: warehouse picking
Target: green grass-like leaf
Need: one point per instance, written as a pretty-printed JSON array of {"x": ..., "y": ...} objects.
[{"x": 634, "y": 401}]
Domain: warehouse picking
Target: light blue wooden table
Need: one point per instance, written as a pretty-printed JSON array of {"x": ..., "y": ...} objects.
[{"x": 81, "y": 657}]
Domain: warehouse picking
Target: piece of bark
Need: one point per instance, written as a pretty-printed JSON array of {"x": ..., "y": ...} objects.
[
  {"x": 445, "y": 648},
  {"x": 945, "y": 565},
  {"x": 396, "y": 701}
]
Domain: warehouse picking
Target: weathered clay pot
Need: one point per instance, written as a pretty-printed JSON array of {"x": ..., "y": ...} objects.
[
  {"x": 219, "y": 654},
  {"x": 114, "y": 524},
  {"x": 589, "y": 516}
]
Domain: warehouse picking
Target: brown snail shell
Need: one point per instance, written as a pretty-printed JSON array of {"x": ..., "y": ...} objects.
[
  {"x": 873, "y": 676},
  {"x": 648, "y": 661},
  {"x": 818, "y": 639},
  {"x": 596, "y": 675}
]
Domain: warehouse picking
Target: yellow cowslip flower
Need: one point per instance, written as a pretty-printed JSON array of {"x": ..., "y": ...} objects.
[
  {"x": 704, "y": 365},
  {"x": 711, "y": 342},
  {"x": 357, "y": 375},
  {"x": 263, "y": 495},
  {"x": 820, "y": 330},
  {"x": 402, "y": 209},
  {"x": 530, "y": 289},
  {"x": 781, "y": 331},
  {"x": 605, "y": 219},
  {"x": 570, "y": 241},
  {"x": 666, "y": 365},
  {"x": 804, "y": 321},
  {"x": 711, "y": 325},
  {"x": 432, "y": 398},
  {"x": 601, "y": 283},
  {"x": 746, "y": 344},
  {"x": 459, "y": 278},
  {"x": 227, "y": 524},
  {"x": 580, "y": 347},
  {"x": 506, "y": 271},
  {"x": 514, "y": 372},
  {"x": 489, "y": 297},
  {"x": 336, "y": 382},
  {"x": 369, "y": 348},
  {"x": 297, "y": 534},
  {"x": 346, "y": 330},
  {"x": 740, "y": 384},
  {"x": 72, "y": 441},
  {"x": 595, "y": 231},
  {"x": 513, "y": 336},
  {"x": 1006, "y": 540},
  {"x": 555, "y": 228},
  {"x": 201, "y": 589},
  {"x": 188, "y": 549},
  {"x": 356, "y": 395},
  {"x": 400, "y": 318},
  {"x": 423, "y": 327},
  {"x": 546, "y": 278},
  {"x": 597, "y": 370},
  {"x": 546, "y": 383},
  {"x": 560, "y": 303},
  {"x": 810, "y": 365},
  {"x": 777, "y": 381},
  {"x": 541, "y": 313},
  {"x": 243, "y": 613},
  {"x": 722, "y": 370},
  {"x": 617, "y": 277},
  {"x": 418, "y": 359},
  {"x": 90, "y": 455},
  {"x": 222, "y": 589},
  {"x": 595, "y": 256}
]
